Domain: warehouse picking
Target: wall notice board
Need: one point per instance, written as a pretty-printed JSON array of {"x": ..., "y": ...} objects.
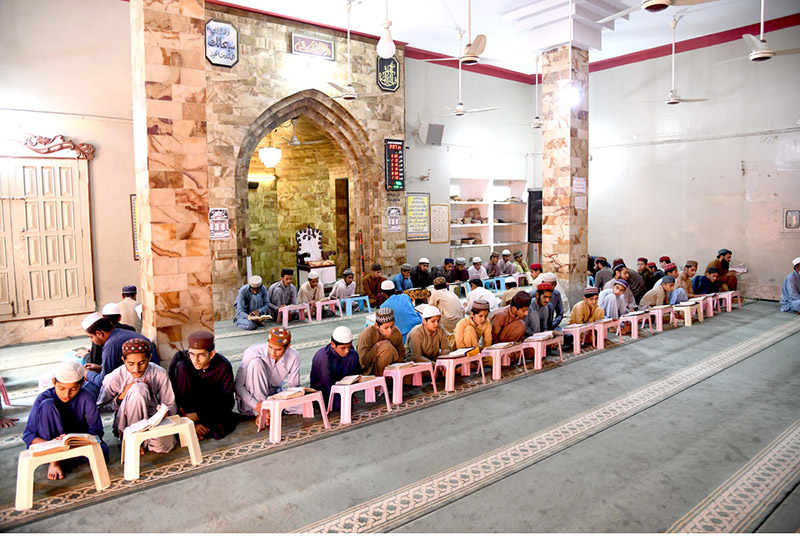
[
  {"x": 418, "y": 216},
  {"x": 440, "y": 224}
]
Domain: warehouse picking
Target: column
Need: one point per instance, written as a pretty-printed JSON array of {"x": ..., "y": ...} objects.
[
  {"x": 171, "y": 167},
  {"x": 565, "y": 166}
]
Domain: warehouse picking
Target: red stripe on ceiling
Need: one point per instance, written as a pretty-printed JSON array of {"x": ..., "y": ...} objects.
[{"x": 489, "y": 70}]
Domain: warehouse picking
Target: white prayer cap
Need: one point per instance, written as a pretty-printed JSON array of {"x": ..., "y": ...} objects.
[
  {"x": 89, "y": 320},
  {"x": 69, "y": 371},
  {"x": 313, "y": 274},
  {"x": 795, "y": 262},
  {"x": 256, "y": 281},
  {"x": 550, "y": 277},
  {"x": 111, "y": 309},
  {"x": 476, "y": 260},
  {"x": 387, "y": 285},
  {"x": 342, "y": 335},
  {"x": 430, "y": 311},
  {"x": 506, "y": 252},
  {"x": 424, "y": 260},
  {"x": 511, "y": 279}
]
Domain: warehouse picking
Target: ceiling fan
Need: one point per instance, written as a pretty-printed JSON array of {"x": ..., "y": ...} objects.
[
  {"x": 673, "y": 97},
  {"x": 537, "y": 122},
  {"x": 348, "y": 92},
  {"x": 653, "y": 6},
  {"x": 460, "y": 109},
  {"x": 294, "y": 142},
  {"x": 759, "y": 49},
  {"x": 473, "y": 50}
]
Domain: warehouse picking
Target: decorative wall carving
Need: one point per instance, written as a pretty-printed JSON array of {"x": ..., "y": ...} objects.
[{"x": 44, "y": 145}]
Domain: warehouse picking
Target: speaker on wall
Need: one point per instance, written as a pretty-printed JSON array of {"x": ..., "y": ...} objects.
[
  {"x": 431, "y": 133},
  {"x": 535, "y": 216}
]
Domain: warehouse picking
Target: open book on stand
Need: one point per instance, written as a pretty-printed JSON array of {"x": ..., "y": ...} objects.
[
  {"x": 356, "y": 378},
  {"x": 146, "y": 424},
  {"x": 461, "y": 352},
  {"x": 540, "y": 336},
  {"x": 401, "y": 365},
  {"x": 65, "y": 443}
]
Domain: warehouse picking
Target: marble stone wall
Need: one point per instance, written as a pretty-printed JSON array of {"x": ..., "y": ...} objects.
[
  {"x": 266, "y": 88},
  {"x": 565, "y": 138},
  {"x": 170, "y": 160}
]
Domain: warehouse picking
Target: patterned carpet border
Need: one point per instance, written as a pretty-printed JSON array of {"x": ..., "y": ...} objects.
[
  {"x": 740, "y": 503},
  {"x": 401, "y": 506}
]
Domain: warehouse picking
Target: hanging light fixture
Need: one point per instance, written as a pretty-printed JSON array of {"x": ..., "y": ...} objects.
[
  {"x": 386, "y": 48},
  {"x": 269, "y": 156}
]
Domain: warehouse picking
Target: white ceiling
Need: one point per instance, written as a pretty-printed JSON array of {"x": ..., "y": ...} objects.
[{"x": 430, "y": 24}]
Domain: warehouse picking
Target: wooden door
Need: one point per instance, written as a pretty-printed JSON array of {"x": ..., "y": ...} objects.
[{"x": 9, "y": 301}]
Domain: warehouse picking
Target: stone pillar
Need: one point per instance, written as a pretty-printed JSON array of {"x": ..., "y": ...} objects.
[
  {"x": 565, "y": 168},
  {"x": 169, "y": 122}
]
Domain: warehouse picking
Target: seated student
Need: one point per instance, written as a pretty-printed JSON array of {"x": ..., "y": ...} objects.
[
  {"x": 202, "y": 381},
  {"x": 508, "y": 323},
  {"x": 405, "y": 316},
  {"x": 603, "y": 273},
  {"x": 678, "y": 295},
  {"x": 475, "y": 329},
  {"x": 344, "y": 287},
  {"x": 790, "y": 290},
  {"x": 478, "y": 292},
  {"x": 251, "y": 302},
  {"x": 641, "y": 268},
  {"x": 660, "y": 294},
  {"x": 587, "y": 311},
  {"x": 725, "y": 280},
  {"x": 128, "y": 306},
  {"x": 402, "y": 281},
  {"x": 621, "y": 274},
  {"x": 460, "y": 273},
  {"x": 428, "y": 340},
  {"x": 111, "y": 339},
  {"x": 282, "y": 293},
  {"x": 420, "y": 275},
  {"x": 706, "y": 284},
  {"x": 372, "y": 283},
  {"x": 445, "y": 270},
  {"x": 534, "y": 271},
  {"x": 651, "y": 281},
  {"x": 266, "y": 369},
  {"x": 477, "y": 271},
  {"x": 684, "y": 279},
  {"x": 505, "y": 263},
  {"x": 611, "y": 299},
  {"x": 380, "y": 344},
  {"x": 312, "y": 292},
  {"x": 540, "y": 316},
  {"x": 448, "y": 303},
  {"x": 556, "y": 303},
  {"x": 386, "y": 291},
  {"x": 492, "y": 267},
  {"x": 663, "y": 261},
  {"x": 520, "y": 266},
  {"x": 635, "y": 282},
  {"x": 135, "y": 390},
  {"x": 333, "y": 362},
  {"x": 65, "y": 408},
  {"x": 112, "y": 313},
  {"x": 510, "y": 292}
]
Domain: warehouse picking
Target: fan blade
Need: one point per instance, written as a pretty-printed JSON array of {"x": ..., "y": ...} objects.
[
  {"x": 787, "y": 52},
  {"x": 689, "y": 2},
  {"x": 285, "y": 139},
  {"x": 692, "y": 100},
  {"x": 372, "y": 95},
  {"x": 620, "y": 14},
  {"x": 312, "y": 142},
  {"x": 477, "y": 46},
  {"x": 754, "y": 43},
  {"x": 441, "y": 59},
  {"x": 478, "y": 110},
  {"x": 336, "y": 87}
]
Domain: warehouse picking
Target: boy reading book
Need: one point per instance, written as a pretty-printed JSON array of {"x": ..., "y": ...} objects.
[
  {"x": 65, "y": 408},
  {"x": 333, "y": 362},
  {"x": 135, "y": 390}
]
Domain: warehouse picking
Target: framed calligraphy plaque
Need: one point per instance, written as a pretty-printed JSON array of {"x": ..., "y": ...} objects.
[
  {"x": 313, "y": 46},
  {"x": 418, "y": 217},
  {"x": 388, "y": 74},
  {"x": 222, "y": 43}
]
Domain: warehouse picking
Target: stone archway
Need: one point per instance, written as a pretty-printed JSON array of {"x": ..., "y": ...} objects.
[{"x": 343, "y": 129}]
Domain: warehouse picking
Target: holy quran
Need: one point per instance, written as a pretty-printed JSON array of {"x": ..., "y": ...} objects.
[
  {"x": 65, "y": 443},
  {"x": 356, "y": 378},
  {"x": 402, "y": 365},
  {"x": 146, "y": 424},
  {"x": 461, "y": 352}
]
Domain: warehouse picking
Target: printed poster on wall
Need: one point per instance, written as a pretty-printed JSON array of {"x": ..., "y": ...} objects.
[
  {"x": 218, "y": 223},
  {"x": 440, "y": 224},
  {"x": 418, "y": 217},
  {"x": 393, "y": 214}
]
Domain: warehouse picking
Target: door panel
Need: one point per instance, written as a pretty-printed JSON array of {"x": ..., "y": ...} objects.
[{"x": 9, "y": 303}]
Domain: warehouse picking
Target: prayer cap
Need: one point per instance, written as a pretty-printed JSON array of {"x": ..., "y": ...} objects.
[
  {"x": 795, "y": 262},
  {"x": 431, "y": 311},
  {"x": 69, "y": 371},
  {"x": 664, "y": 259},
  {"x": 201, "y": 340},
  {"x": 449, "y": 260},
  {"x": 423, "y": 260},
  {"x": 313, "y": 274},
  {"x": 89, "y": 321},
  {"x": 511, "y": 279},
  {"x": 618, "y": 267},
  {"x": 384, "y": 315},
  {"x": 480, "y": 305},
  {"x": 550, "y": 277},
  {"x": 280, "y": 336},
  {"x": 600, "y": 259},
  {"x": 348, "y": 271},
  {"x": 618, "y": 261},
  {"x": 476, "y": 260},
  {"x": 439, "y": 280},
  {"x": 494, "y": 254},
  {"x": 517, "y": 254},
  {"x": 461, "y": 261},
  {"x": 669, "y": 267},
  {"x": 691, "y": 263},
  {"x": 506, "y": 252},
  {"x": 111, "y": 309},
  {"x": 521, "y": 299},
  {"x": 651, "y": 264},
  {"x": 588, "y": 292},
  {"x": 128, "y": 289},
  {"x": 642, "y": 259},
  {"x": 136, "y": 346},
  {"x": 621, "y": 282},
  {"x": 342, "y": 335},
  {"x": 667, "y": 279},
  {"x": 376, "y": 266},
  {"x": 405, "y": 266},
  {"x": 387, "y": 285},
  {"x": 286, "y": 271},
  {"x": 723, "y": 252},
  {"x": 545, "y": 287},
  {"x": 256, "y": 281},
  {"x": 712, "y": 270},
  {"x": 535, "y": 266}
]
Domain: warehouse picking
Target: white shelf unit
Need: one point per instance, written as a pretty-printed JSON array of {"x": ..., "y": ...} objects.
[{"x": 490, "y": 197}]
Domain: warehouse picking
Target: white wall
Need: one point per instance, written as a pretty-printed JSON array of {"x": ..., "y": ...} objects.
[
  {"x": 66, "y": 70},
  {"x": 689, "y": 179},
  {"x": 481, "y": 145}
]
